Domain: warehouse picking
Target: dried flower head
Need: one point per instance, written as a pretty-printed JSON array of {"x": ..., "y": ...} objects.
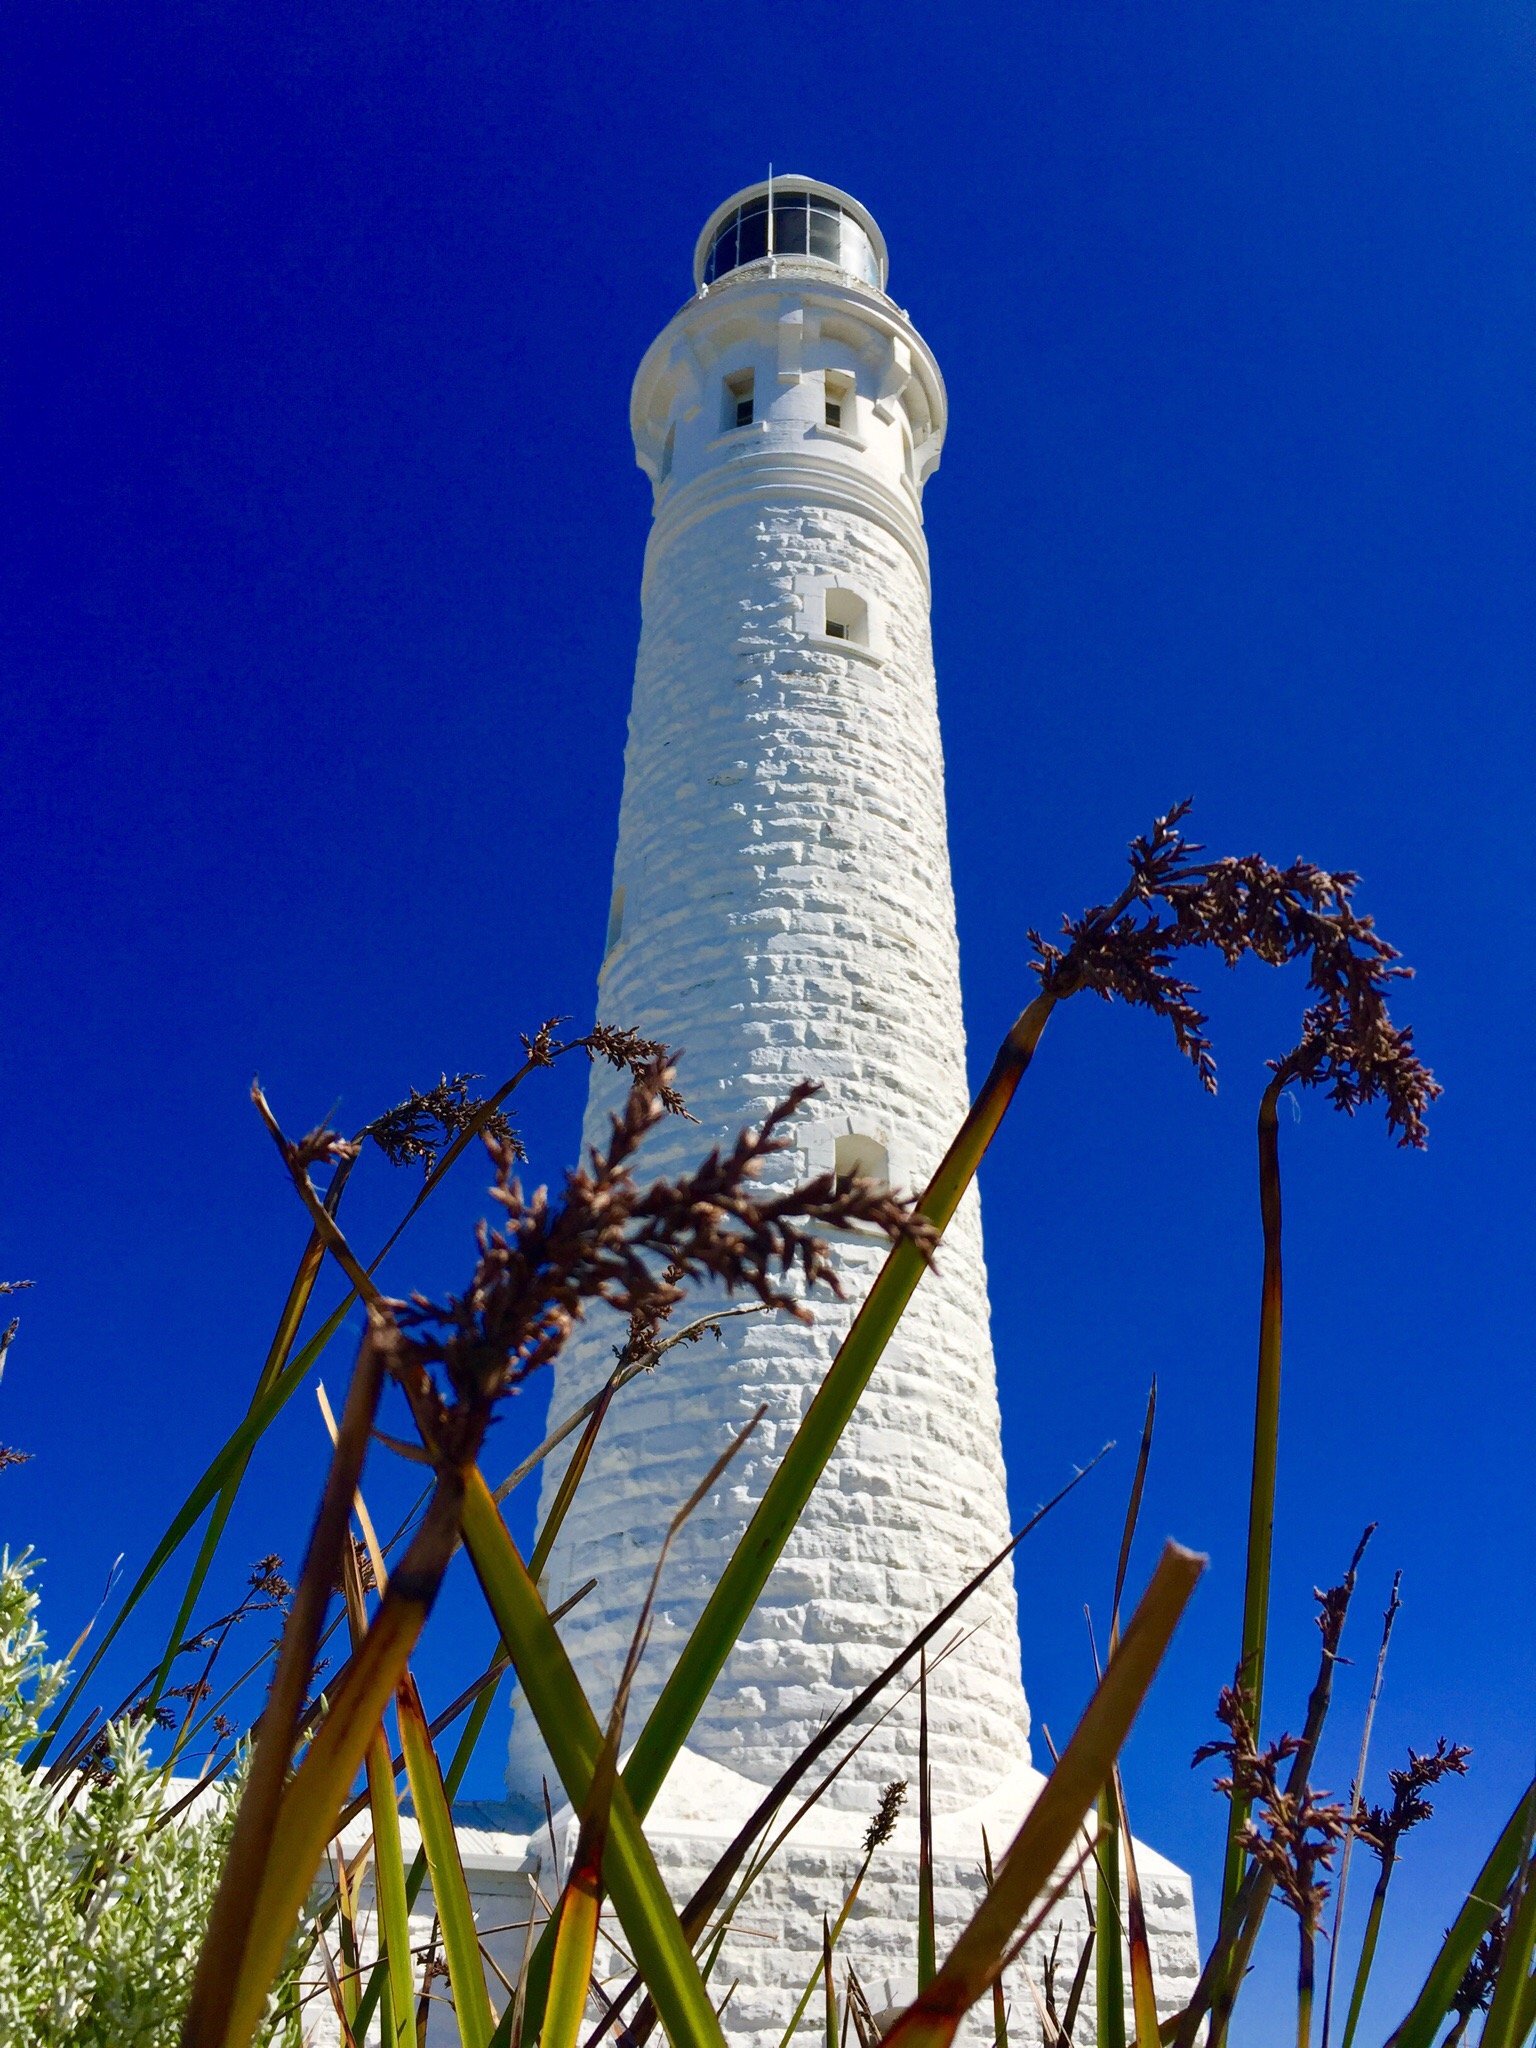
[
  {"x": 420, "y": 1129},
  {"x": 631, "y": 1054},
  {"x": 883, "y": 1825},
  {"x": 1176, "y": 901},
  {"x": 1383, "y": 1827},
  {"x": 1294, "y": 1832},
  {"x": 319, "y": 1147},
  {"x": 266, "y": 1578},
  {"x": 9, "y": 1455},
  {"x": 1481, "y": 1976},
  {"x": 633, "y": 1247}
]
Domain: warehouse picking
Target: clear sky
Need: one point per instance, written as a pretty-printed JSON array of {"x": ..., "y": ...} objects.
[{"x": 321, "y": 597}]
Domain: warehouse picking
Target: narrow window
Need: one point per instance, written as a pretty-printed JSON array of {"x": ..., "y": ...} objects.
[
  {"x": 839, "y": 400},
  {"x": 615, "y": 920},
  {"x": 846, "y": 617},
  {"x": 668, "y": 450},
  {"x": 860, "y": 1158},
  {"x": 738, "y": 399}
]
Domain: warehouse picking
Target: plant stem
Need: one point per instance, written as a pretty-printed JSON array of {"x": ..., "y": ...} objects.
[
  {"x": 1367, "y": 1953},
  {"x": 1110, "y": 1959},
  {"x": 1306, "y": 1978},
  {"x": 1387, "y": 1620},
  {"x": 1266, "y": 1451}
]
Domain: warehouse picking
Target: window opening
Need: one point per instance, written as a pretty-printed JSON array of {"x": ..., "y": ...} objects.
[
  {"x": 856, "y": 1157},
  {"x": 668, "y": 449},
  {"x": 846, "y": 617},
  {"x": 839, "y": 400},
  {"x": 738, "y": 399}
]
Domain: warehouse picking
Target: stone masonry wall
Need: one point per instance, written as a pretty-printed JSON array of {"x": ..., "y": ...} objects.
[{"x": 787, "y": 913}]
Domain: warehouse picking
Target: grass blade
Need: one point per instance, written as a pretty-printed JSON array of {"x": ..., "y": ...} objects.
[
  {"x": 1109, "y": 1967},
  {"x": 1133, "y": 1510},
  {"x": 1379, "y": 1895},
  {"x": 231, "y": 1925},
  {"x": 570, "y": 1479},
  {"x": 1506, "y": 2025},
  {"x": 307, "y": 1817},
  {"x": 1143, "y": 1986},
  {"x": 746, "y": 1573},
  {"x": 570, "y": 1970},
  {"x": 450, "y": 1892},
  {"x": 999, "y": 1996},
  {"x": 1110, "y": 1960},
  {"x": 1266, "y": 1459},
  {"x": 830, "y": 2000},
  {"x": 1048, "y": 1829},
  {"x": 927, "y": 1939},
  {"x": 346, "y": 1933},
  {"x": 565, "y": 1719},
  {"x": 394, "y": 1913},
  {"x": 1080, "y": 1980}
]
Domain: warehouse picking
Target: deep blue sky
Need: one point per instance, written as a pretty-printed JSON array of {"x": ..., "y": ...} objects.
[{"x": 321, "y": 598}]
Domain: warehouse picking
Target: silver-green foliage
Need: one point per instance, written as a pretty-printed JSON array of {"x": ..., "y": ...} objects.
[{"x": 103, "y": 1901}]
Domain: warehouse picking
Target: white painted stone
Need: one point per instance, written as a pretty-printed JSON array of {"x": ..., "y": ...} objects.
[{"x": 782, "y": 910}]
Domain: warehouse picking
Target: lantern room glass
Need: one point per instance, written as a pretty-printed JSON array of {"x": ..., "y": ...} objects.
[{"x": 805, "y": 223}]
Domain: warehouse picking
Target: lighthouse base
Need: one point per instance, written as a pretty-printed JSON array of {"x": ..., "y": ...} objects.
[{"x": 775, "y": 1938}]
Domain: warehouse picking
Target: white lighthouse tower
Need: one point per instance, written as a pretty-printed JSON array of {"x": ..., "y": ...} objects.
[{"x": 782, "y": 910}]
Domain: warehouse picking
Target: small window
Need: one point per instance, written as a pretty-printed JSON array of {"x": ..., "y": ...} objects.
[
  {"x": 668, "y": 450},
  {"x": 839, "y": 400},
  {"x": 738, "y": 399},
  {"x": 846, "y": 617},
  {"x": 615, "y": 920},
  {"x": 860, "y": 1158}
]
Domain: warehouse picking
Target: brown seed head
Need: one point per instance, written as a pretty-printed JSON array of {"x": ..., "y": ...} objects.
[{"x": 1176, "y": 902}]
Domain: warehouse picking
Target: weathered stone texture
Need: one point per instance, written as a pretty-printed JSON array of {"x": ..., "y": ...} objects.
[{"x": 788, "y": 915}]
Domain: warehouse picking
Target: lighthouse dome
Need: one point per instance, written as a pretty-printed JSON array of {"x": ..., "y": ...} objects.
[{"x": 793, "y": 217}]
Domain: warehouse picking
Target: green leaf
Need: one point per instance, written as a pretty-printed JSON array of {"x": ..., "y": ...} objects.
[
  {"x": 450, "y": 1892},
  {"x": 566, "y": 1721},
  {"x": 389, "y": 1893},
  {"x": 1507, "y": 2024},
  {"x": 1266, "y": 1460},
  {"x": 1047, "y": 1832},
  {"x": 1143, "y": 1986},
  {"x": 1429, "y": 2009},
  {"x": 1110, "y": 1953},
  {"x": 927, "y": 1935}
]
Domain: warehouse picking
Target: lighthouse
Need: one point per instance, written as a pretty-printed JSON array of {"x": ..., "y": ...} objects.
[{"x": 782, "y": 910}]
